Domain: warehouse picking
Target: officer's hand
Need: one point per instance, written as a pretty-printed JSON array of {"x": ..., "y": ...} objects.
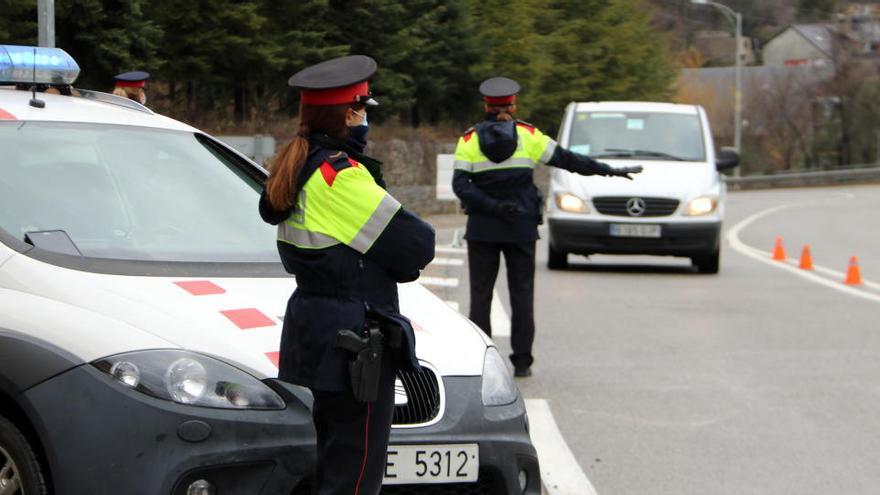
[
  {"x": 625, "y": 171},
  {"x": 507, "y": 209}
]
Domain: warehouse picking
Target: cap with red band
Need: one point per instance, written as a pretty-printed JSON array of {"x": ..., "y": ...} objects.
[
  {"x": 499, "y": 91},
  {"x": 335, "y": 82},
  {"x": 134, "y": 79}
]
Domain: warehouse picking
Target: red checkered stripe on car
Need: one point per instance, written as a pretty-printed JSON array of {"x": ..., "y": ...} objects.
[
  {"x": 4, "y": 115},
  {"x": 243, "y": 318}
]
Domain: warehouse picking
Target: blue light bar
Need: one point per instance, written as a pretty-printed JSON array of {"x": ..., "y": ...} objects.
[{"x": 26, "y": 64}]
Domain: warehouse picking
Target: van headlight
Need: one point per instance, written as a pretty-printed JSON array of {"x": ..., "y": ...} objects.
[
  {"x": 498, "y": 386},
  {"x": 571, "y": 203},
  {"x": 189, "y": 378},
  {"x": 701, "y": 206}
]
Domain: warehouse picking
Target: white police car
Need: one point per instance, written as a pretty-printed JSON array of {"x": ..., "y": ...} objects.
[{"x": 140, "y": 312}]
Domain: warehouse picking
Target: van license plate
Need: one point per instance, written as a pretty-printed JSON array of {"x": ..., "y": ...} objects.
[
  {"x": 454, "y": 463},
  {"x": 635, "y": 230}
]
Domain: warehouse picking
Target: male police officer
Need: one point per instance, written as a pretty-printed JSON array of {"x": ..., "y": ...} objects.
[{"x": 494, "y": 164}]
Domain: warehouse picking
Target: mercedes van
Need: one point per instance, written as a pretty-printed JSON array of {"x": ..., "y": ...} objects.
[{"x": 674, "y": 207}]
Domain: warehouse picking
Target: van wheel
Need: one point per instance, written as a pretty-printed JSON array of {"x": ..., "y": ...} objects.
[
  {"x": 20, "y": 469},
  {"x": 556, "y": 260},
  {"x": 707, "y": 264}
]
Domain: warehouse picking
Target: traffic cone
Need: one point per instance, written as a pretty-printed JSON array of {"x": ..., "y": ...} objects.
[
  {"x": 853, "y": 275},
  {"x": 779, "y": 250},
  {"x": 806, "y": 258}
]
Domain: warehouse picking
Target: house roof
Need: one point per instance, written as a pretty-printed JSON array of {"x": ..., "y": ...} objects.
[{"x": 820, "y": 35}]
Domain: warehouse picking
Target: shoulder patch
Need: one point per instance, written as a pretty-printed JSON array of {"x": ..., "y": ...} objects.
[
  {"x": 525, "y": 125},
  {"x": 468, "y": 134},
  {"x": 329, "y": 172}
]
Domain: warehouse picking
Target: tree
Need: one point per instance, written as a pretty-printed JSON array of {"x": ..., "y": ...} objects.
[
  {"x": 106, "y": 37},
  {"x": 598, "y": 50},
  {"x": 18, "y": 23}
]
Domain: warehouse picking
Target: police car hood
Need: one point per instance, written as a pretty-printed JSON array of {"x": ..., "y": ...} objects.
[
  {"x": 660, "y": 179},
  {"x": 236, "y": 319}
]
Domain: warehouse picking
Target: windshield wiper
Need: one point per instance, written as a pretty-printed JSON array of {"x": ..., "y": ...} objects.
[{"x": 623, "y": 153}]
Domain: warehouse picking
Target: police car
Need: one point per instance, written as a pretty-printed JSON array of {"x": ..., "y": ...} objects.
[{"x": 141, "y": 299}]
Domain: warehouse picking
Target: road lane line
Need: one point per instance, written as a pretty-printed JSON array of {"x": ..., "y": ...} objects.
[
  {"x": 764, "y": 257},
  {"x": 438, "y": 281},
  {"x": 448, "y": 261},
  {"x": 498, "y": 317},
  {"x": 560, "y": 472},
  {"x": 449, "y": 250}
]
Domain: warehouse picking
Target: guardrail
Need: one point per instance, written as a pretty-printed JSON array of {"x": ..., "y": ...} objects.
[{"x": 807, "y": 178}]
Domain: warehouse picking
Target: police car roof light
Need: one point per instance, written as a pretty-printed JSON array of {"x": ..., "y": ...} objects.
[{"x": 41, "y": 65}]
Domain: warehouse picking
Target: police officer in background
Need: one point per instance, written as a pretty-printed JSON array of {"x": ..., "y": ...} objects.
[
  {"x": 494, "y": 164},
  {"x": 349, "y": 243},
  {"x": 131, "y": 85}
]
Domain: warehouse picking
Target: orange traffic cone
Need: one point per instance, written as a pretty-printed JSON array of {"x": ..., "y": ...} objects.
[
  {"x": 779, "y": 250},
  {"x": 853, "y": 275},
  {"x": 806, "y": 258}
]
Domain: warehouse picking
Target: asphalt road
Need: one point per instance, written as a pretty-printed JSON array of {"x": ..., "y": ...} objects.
[{"x": 755, "y": 381}]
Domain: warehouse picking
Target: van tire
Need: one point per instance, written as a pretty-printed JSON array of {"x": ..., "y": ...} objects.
[
  {"x": 556, "y": 260},
  {"x": 16, "y": 453},
  {"x": 707, "y": 264}
]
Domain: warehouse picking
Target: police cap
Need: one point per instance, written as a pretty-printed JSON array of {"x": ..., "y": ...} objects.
[
  {"x": 134, "y": 79},
  {"x": 499, "y": 91},
  {"x": 337, "y": 81}
]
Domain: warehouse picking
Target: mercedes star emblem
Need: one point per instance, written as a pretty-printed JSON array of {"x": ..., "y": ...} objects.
[{"x": 636, "y": 207}]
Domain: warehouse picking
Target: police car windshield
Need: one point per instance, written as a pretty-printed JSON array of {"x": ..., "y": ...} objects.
[
  {"x": 131, "y": 193},
  {"x": 642, "y": 135}
]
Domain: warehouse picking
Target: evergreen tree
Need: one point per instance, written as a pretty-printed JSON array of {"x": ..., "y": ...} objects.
[
  {"x": 18, "y": 22},
  {"x": 106, "y": 37}
]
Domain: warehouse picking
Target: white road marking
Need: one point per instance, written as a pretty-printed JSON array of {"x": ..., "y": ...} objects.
[
  {"x": 560, "y": 472},
  {"x": 439, "y": 281},
  {"x": 498, "y": 317},
  {"x": 448, "y": 261},
  {"x": 449, "y": 250},
  {"x": 764, "y": 257}
]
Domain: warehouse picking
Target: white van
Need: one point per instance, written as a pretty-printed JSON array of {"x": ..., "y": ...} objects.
[{"x": 674, "y": 207}]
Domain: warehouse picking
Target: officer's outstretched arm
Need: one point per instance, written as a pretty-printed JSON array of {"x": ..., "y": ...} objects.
[
  {"x": 472, "y": 196},
  {"x": 584, "y": 165}
]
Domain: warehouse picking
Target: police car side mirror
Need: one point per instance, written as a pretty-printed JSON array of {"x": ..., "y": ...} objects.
[{"x": 726, "y": 159}]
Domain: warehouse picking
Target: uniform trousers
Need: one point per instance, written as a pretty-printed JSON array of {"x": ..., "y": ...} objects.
[
  {"x": 483, "y": 262},
  {"x": 352, "y": 438}
]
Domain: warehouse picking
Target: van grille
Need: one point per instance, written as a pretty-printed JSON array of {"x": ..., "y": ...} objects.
[
  {"x": 422, "y": 397},
  {"x": 617, "y": 205}
]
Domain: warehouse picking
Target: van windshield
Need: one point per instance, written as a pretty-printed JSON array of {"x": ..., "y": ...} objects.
[
  {"x": 642, "y": 135},
  {"x": 130, "y": 193}
]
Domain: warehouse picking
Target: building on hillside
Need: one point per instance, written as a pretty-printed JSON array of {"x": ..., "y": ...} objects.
[
  {"x": 801, "y": 44},
  {"x": 718, "y": 48}
]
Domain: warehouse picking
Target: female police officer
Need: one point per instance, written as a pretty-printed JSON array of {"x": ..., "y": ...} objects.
[
  {"x": 494, "y": 163},
  {"x": 348, "y": 242}
]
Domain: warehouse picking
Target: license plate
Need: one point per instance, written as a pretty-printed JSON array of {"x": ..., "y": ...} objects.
[
  {"x": 410, "y": 464},
  {"x": 635, "y": 230}
]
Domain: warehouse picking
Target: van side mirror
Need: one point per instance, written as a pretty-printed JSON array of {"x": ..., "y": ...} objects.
[{"x": 727, "y": 158}]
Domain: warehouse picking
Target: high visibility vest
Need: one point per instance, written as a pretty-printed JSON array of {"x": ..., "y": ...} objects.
[
  {"x": 533, "y": 147},
  {"x": 339, "y": 204}
]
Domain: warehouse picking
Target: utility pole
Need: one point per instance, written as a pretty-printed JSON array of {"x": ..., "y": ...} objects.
[
  {"x": 46, "y": 22},
  {"x": 736, "y": 17}
]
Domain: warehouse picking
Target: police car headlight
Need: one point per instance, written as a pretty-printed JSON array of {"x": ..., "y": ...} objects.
[
  {"x": 498, "y": 386},
  {"x": 190, "y": 378},
  {"x": 701, "y": 206}
]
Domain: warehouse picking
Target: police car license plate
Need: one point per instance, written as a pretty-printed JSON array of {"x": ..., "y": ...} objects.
[
  {"x": 411, "y": 464},
  {"x": 635, "y": 230}
]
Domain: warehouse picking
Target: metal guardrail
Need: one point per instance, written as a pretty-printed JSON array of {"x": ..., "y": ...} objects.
[{"x": 807, "y": 178}]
